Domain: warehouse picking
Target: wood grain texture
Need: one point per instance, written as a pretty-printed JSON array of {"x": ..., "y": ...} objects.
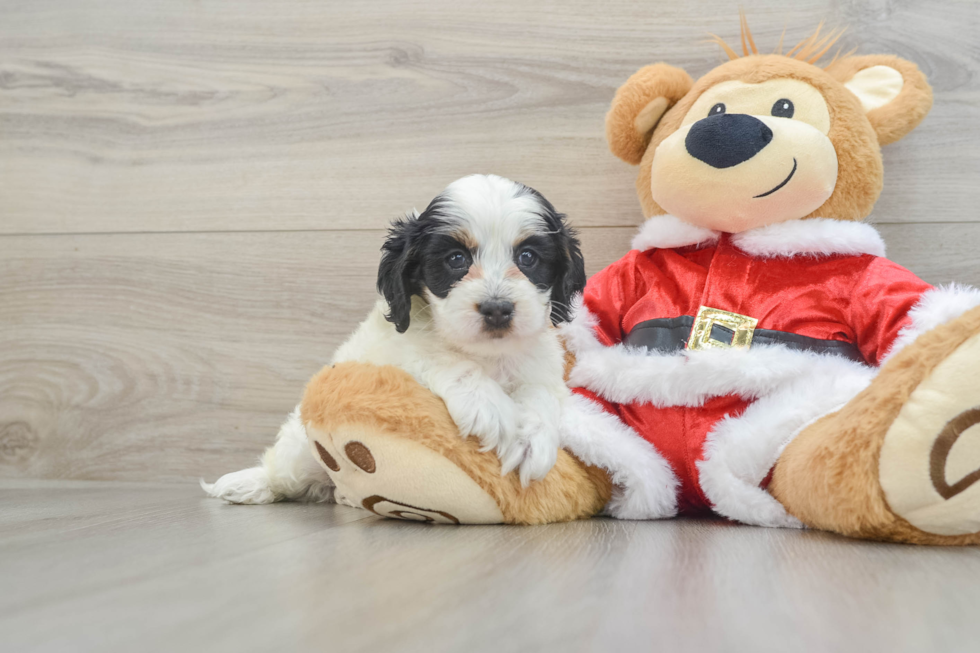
[
  {"x": 173, "y": 356},
  {"x": 123, "y": 567},
  {"x": 192, "y": 193},
  {"x": 169, "y": 356},
  {"x": 172, "y": 115}
]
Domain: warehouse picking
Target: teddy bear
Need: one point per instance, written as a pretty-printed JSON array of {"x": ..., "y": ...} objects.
[{"x": 754, "y": 356}]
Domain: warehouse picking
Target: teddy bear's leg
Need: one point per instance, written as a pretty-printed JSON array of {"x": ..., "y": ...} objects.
[
  {"x": 901, "y": 461},
  {"x": 390, "y": 447}
]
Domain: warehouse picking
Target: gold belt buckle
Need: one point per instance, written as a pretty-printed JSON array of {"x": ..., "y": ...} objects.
[{"x": 741, "y": 326}]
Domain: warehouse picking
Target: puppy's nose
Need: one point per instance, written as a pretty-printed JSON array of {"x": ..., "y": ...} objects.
[
  {"x": 727, "y": 139},
  {"x": 497, "y": 313}
]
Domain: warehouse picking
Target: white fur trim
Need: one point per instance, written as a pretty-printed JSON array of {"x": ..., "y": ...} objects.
[
  {"x": 645, "y": 487},
  {"x": 740, "y": 451},
  {"x": 935, "y": 307},
  {"x": 626, "y": 375},
  {"x": 811, "y": 237},
  {"x": 666, "y": 231},
  {"x": 792, "y": 389},
  {"x": 578, "y": 334}
]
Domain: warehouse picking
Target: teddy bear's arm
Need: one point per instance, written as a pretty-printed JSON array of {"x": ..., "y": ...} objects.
[
  {"x": 890, "y": 307},
  {"x": 608, "y": 296}
]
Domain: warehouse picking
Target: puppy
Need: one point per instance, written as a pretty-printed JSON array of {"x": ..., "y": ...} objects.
[{"x": 471, "y": 289}]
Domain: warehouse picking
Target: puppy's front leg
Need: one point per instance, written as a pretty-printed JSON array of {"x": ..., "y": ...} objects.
[
  {"x": 477, "y": 404},
  {"x": 535, "y": 449},
  {"x": 288, "y": 472}
]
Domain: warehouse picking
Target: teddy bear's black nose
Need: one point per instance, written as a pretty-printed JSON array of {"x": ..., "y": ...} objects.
[{"x": 727, "y": 139}]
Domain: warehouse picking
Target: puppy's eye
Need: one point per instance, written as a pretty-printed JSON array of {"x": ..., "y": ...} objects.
[
  {"x": 457, "y": 261},
  {"x": 783, "y": 109},
  {"x": 717, "y": 110},
  {"x": 527, "y": 258}
]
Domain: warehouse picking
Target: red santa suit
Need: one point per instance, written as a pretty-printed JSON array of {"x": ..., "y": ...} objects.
[{"x": 700, "y": 355}]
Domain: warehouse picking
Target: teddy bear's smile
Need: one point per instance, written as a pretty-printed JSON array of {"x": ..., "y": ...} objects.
[{"x": 781, "y": 184}]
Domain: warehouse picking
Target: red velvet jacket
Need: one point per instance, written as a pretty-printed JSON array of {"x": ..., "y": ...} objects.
[{"x": 861, "y": 299}]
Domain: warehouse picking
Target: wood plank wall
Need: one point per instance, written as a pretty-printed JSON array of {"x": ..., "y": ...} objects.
[{"x": 192, "y": 193}]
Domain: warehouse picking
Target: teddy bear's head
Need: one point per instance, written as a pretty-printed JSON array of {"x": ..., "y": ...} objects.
[{"x": 765, "y": 138}]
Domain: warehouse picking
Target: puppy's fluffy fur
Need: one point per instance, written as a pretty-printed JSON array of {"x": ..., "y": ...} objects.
[{"x": 470, "y": 290}]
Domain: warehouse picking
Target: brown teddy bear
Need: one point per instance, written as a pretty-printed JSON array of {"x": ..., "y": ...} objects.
[{"x": 754, "y": 355}]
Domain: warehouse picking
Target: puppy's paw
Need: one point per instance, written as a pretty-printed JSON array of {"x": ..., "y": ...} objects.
[
  {"x": 535, "y": 449},
  {"x": 489, "y": 416},
  {"x": 250, "y": 486}
]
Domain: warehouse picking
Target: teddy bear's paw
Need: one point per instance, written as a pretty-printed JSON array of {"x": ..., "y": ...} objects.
[
  {"x": 929, "y": 465},
  {"x": 394, "y": 476},
  {"x": 248, "y": 486}
]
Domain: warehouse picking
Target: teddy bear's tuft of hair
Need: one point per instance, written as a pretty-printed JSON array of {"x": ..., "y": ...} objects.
[{"x": 810, "y": 49}]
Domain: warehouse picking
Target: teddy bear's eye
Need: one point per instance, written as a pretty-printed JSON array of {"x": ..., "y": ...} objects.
[
  {"x": 717, "y": 110},
  {"x": 783, "y": 109}
]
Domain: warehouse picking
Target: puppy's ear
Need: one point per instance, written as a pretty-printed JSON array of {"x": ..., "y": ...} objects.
[
  {"x": 893, "y": 92},
  {"x": 398, "y": 274},
  {"x": 570, "y": 278},
  {"x": 639, "y": 105},
  {"x": 571, "y": 281}
]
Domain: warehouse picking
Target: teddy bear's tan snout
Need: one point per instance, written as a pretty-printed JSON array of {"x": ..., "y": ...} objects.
[{"x": 737, "y": 171}]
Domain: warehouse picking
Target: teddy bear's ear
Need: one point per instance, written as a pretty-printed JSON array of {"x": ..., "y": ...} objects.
[
  {"x": 894, "y": 92},
  {"x": 638, "y": 106}
]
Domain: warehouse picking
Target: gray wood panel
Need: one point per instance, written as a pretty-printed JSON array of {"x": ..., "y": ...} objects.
[
  {"x": 172, "y": 115},
  {"x": 172, "y": 356},
  {"x": 123, "y": 567}
]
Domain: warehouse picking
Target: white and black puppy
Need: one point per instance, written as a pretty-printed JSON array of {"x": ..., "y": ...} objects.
[{"x": 471, "y": 289}]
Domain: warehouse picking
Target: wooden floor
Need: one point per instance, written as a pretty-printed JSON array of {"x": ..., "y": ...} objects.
[
  {"x": 192, "y": 199},
  {"x": 88, "y": 566}
]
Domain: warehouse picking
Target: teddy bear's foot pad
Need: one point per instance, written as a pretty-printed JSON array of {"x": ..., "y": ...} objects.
[
  {"x": 929, "y": 466},
  {"x": 396, "y": 477}
]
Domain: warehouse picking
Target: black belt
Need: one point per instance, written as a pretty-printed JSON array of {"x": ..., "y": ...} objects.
[{"x": 669, "y": 335}]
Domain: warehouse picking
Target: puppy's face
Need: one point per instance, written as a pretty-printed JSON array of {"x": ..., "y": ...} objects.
[{"x": 493, "y": 259}]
